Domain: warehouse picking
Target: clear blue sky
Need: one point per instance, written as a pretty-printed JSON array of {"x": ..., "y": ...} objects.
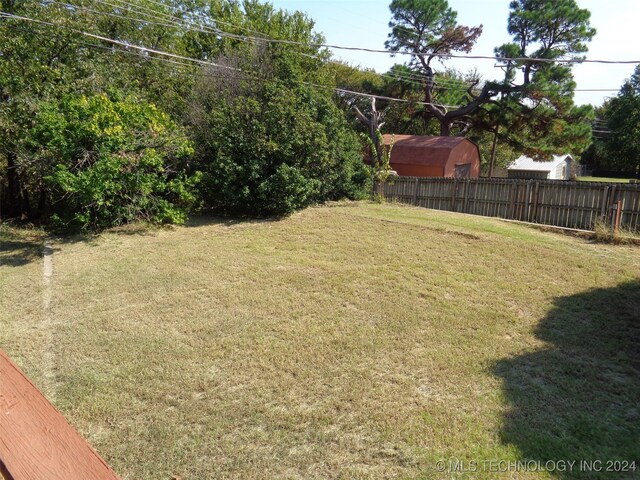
[{"x": 364, "y": 23}]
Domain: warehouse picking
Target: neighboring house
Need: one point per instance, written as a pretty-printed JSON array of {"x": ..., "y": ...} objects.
[
  {"x": 560, "y": 168},
  {"x": 421, "y": 156}
]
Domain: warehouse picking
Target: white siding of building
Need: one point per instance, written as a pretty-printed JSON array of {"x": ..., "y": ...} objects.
[{"x": 557, "y": 169}]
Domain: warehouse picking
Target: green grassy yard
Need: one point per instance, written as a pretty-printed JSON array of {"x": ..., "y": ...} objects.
[
  {"x": 347, "y": 341},
  {"x": 603, "y": 179}
]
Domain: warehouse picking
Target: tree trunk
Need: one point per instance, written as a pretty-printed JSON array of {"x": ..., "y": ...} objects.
[
  {"x": 445, "y": 129},
  {"x": 25, "y": 206},
  {"x": 493, "y": 151},
  {"x": 373, "y": 124},
  {"x": 42, "y": 201},
  {"x": 373, "y": 133},
  {"x": 14, "y": 190}
]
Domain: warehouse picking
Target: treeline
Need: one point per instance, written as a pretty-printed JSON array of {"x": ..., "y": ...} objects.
[
  {"x": 98, "y": 128},
  {"x": 616, "y": 145},
  {"x": 116, "y": 111}
]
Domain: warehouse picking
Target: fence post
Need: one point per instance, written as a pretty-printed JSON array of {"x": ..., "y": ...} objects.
[
  {"x": 527, "y": 201},
  {"x": 616, "y": 223},
  {"x": 612, "y": 199},
  {"x": 454, "y": 195},
  {"x": 465, "y": 196},
  {"x": 605, "y": 203},
  {"x": 536, "y": 201},
  {"x": 416, "y": 185},
  {"x": 513, "y": 192}
]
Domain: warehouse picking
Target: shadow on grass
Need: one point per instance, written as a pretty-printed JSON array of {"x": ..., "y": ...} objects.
[
  {"x": 20, "y": 246},
  {"x": 208, "y": 220},
  {"x": 579, "y": 398},
  {"x": 18, "y": 252}
]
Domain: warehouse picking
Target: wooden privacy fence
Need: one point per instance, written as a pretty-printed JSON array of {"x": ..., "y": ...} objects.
[{"x": 548, "y": 202}]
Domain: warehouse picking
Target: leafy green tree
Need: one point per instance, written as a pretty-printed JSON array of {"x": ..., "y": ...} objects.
[
  {"x": 539, "y": 112},
  {"x": 352, "y": 78},
  {"x": 269, "y": 146},
  {"x": 269, "y": 140},
  {"x": 428, "y": 30},
  {"x": 536, "y": 129},
  {"x": 284, "y": 92},
  {"x": 622, "y": 114},
  {"x": 450, "y": 88},
  {"x": 42, "y": 63},
  {"x": 537, "y": 87},
  {"x": 113, "y": 161},
  {"x": 32, "y": 67}
]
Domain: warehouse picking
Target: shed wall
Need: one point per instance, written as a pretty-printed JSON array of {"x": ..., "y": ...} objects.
[
  {"x": 466, "y": 152},
  {"x": 410, "y": 155},
  {"x": 405, "y": 170},
  {"x": 423, "y": 156},
  {"x": 535, "y": 174},
  {"x": 559, "y": 174}
]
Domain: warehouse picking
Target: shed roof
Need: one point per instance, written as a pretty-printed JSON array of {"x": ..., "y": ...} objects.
[
  {"x": 527, "y": 163},
  {"x": 421, "y": 141},
  {"x": 426, "y": 150}
]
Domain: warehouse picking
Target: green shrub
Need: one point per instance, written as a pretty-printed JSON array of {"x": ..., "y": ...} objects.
[
  {"x": 286, "y": 190},
  {"x": 269, "y": 147},
  {"x": 113, "y": 162}
]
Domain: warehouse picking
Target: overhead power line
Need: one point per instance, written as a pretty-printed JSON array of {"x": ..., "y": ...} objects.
[
  {"x": 172, "y": 17},
  {"x": 201, "y": 62},
  {"x": 175, "y": 22},
  {"x": 417, "y": 80},
  {"x": 116, "y": 15},
  {"x": 142, "y": 51},
  {"x": 113, "y": 41},
  {"x": 388, "y": 52},
  {"x": 474, "y": 57},
  {"x": 182, "y": 65}
]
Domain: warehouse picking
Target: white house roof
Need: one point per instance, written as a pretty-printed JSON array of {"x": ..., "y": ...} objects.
[{"x": 526, "y": 163}]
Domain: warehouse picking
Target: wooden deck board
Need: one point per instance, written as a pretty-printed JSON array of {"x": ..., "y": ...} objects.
[{"x": 36, "y": 441}]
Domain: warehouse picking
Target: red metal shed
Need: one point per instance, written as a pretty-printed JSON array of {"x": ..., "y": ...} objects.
[{"x": 421, "y": 156}]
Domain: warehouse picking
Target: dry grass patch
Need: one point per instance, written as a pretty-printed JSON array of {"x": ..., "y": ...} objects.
[{"x": 348, "y": 341}]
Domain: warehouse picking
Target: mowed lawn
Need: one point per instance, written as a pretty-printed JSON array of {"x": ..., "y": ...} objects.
[
  {"x": 352, "y": 340},
  {"x": 603, "y": 179}
]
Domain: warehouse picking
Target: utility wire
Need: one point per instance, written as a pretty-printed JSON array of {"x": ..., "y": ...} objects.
[
  {"x": 209, "y": 64},
  {"x": 217, "y": 21},
  {"x": 115, "y": 42},
  {"x": 145, "y": 21},
  {"x": 412, "y": 77},
  {"x": 475, "y": 57},
  {"x": 202, "y": 62},
  {"x": 392, "y": 53},
  {"x": 116, "y": 50},
  {"x": 99, "y": 12},
  {"x": 115, "y": 15}
]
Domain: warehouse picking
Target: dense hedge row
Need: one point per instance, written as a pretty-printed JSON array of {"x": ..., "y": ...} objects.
[{"x": 93, "y": 138}]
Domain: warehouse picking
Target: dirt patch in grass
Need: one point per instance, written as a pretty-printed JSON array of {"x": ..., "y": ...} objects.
[{"x": 352, "y": 341}]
